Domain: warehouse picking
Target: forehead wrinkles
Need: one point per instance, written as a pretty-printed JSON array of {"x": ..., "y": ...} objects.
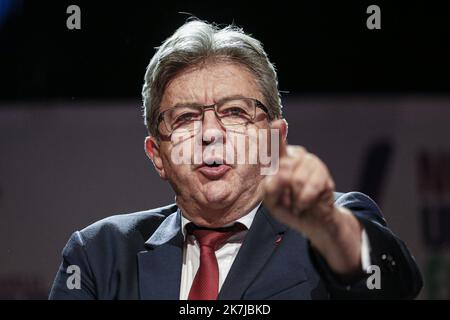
[{"x": 208, "y": 83}]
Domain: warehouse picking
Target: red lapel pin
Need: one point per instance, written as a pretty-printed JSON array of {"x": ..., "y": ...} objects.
[{"x": 278, "y": 240}]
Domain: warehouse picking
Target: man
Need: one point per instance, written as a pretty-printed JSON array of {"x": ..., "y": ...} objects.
[{"x": 234, "y": 233}]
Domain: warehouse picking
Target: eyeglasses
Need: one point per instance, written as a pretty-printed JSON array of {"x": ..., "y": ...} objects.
[{"x": 230, "y": 112}]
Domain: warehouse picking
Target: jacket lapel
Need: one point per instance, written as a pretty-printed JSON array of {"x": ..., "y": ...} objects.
[
  {"x": 257, "y": 248},
  {"x": 160, "y": 266}
]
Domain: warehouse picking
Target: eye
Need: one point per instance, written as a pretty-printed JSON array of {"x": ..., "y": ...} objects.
[
  {"x": 235, "y": 111},
  {"x": 189, "y": 116},
  {"x": 184, "y": 119}
]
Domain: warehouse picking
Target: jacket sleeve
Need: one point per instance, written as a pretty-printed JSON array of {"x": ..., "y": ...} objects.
[
  {"x": 399, "y": 274},
  {"x": 74, "y": 279}
]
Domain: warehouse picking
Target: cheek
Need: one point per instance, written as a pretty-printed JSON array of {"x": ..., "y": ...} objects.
[
  {"x": 248, "y": 175},
  {"x": 175, "y": 171},
  {"x": 178, "y": 172}
]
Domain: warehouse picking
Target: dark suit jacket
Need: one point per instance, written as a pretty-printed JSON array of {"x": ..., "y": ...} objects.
[{"x": 139, "y": 256}]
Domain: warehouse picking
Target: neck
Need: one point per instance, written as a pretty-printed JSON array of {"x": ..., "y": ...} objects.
[{"x": 207, "y": 215}]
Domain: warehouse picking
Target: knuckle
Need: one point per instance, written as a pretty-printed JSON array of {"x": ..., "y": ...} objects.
[
  {"x": 309, "y": 158},
  {"x": 306, "y": 198},
  {"x": 300, "y": 149},
  {"x": 294, "y": 150},
  {"x": 316, "y": 187},
  {"x": 298, "y": 179},
  {"x": 287, "y": 163},
  {"x": 312, "y": 191}
]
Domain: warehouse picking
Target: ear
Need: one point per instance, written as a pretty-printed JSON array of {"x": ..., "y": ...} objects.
[
  {"x": 282, "y": 126},
  {"x": 284, "y": 129},
  {"x": 153, "y": 152}
]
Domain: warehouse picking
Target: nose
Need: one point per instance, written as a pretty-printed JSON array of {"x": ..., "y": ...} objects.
[{"x": 211, "y": 124}]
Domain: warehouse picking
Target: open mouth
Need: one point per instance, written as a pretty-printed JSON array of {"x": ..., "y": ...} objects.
[
  {"x": 214, "y": 164},
  {"x": 214, "y": 169}
]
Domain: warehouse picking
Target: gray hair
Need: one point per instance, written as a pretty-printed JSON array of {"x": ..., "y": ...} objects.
[{"x": 197, "y": 42}]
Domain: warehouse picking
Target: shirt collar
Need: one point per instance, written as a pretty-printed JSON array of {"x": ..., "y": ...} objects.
[{"x": 246, "y": 220}]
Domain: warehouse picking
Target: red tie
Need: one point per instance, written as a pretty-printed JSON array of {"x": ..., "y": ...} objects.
[{"x": 206, "y": 282}]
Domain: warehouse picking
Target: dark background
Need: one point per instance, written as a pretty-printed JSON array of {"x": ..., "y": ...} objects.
[
  {"x": 374, "y": 105},
  {"x": 317, "y": 46}
]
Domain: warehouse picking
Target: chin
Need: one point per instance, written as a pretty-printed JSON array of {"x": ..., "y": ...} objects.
[{"x": 218, "y": 193}]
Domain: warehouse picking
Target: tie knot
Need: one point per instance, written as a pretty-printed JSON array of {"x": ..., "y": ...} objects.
[{"x": 213, "y": 238}]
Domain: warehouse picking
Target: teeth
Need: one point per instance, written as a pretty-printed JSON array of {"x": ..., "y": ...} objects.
[{"x": 213, "y": 164}]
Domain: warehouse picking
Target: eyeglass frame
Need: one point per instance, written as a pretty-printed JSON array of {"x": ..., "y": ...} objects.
[{"x": 258, "y": 104}]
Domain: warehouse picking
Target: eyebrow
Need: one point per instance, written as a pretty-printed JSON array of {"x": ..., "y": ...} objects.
[{"x": 196, "y": 104}]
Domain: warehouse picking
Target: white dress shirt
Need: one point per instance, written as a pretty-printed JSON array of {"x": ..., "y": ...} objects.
[{"x": 226, "y": 253}]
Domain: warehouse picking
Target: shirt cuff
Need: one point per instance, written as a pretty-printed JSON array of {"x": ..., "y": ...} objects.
[{"x": 365, "y": 251}]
